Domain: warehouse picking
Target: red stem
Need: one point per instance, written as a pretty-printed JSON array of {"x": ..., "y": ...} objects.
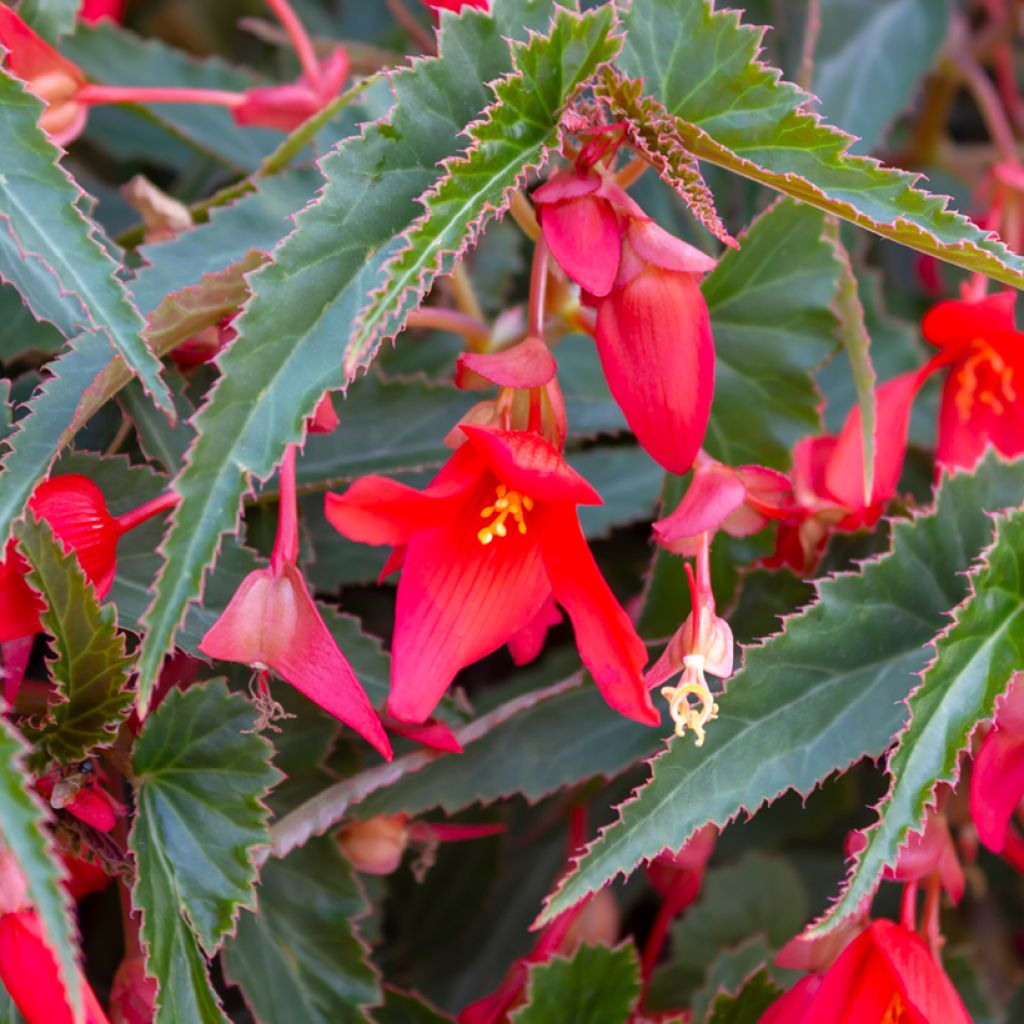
[
  {"x": 286, "y": 543},
  {"x": 695, "y": 606},
  {"x": 1013, "y": 851},
  {"x": 930, "y": 919},
  {"x": 303, "y": 45},
  {"x": 656, "y": 942},
  {"x": 97, "y": 94},
  {"x": 908, "y": 906},
  {"x": 137, "y": 516}
]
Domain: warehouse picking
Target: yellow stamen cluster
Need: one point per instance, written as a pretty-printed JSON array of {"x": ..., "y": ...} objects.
[
  {"x": 688, "y": 715},
  {"x": 508, "y": 503},
  {"x": 895, "y": 1011},
  {"x": 971, "y": 390}
]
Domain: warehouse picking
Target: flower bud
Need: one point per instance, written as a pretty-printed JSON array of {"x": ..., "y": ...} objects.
[
  {"x": 133, "y": 995},
  {"x": 376, "y": 846}
]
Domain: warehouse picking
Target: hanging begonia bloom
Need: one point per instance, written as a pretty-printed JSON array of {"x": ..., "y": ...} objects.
[
  {"x": 272, "y": 623},
  {"x": 887, "y": 974},
  {"x": 53, "y": 78},
  {"x": 285, "y": 107},
  {"x": 486, "y": 544},
  {"x": 133, "y": 993},
  {"x": 997, "y": 775},
  {"x": 791, "y": 1006},
  {"x": 456, "y": 5},
  {"x": 654, "y": 339},
  {"x": 983, "y": 395},
  {"x": 96, "y": 10}
]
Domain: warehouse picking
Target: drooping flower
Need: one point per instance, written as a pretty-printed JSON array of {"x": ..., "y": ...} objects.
[
  {"x": 96, "y": 10},
  {"x": 886, "y": 974},
  {"x": 983, "y": 394},
  {"x": 997, "y": 775},
  {"x": 53, "y": 78},
  {"x": 28, "y": 968},
  {"x": 653, "y": 331},
  {"x": 76, "y": 511},
  {"x": 272, "y": 623},
  {"x": 483, "y": 548},
  {"x": 828, "y": 476}
]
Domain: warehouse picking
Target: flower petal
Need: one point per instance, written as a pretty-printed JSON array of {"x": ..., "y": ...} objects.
[
  {"x": 791, "y": 1006},
  {"x": 715, "y": 491},
  {"x": 656, "y": 245},
  {"x": 657, "y": 352},
  {"x": 605, "y": 637},
  {"x": 529, "y": 641},
  {"x": 997, "y": 786},
  {"x": 526, "y": 462},
  {"x": 459, "y": 600},
  {"x": 955, "y": 322},
  {"x": 19, "y": 604},
  {"x": 962, "y": 438},
  {"x": 529, "y": 364},
  {"x": 280, "y": 107},
  {"x": 844, "y": 474}
]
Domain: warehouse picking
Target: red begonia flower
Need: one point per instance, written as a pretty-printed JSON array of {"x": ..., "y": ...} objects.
[
  {"x": 431, "y": 733},
  {"x": 324, "y": 419},
  {"x": 95, "y": 10},
  {"x": 53, "y": 78},
  {"x": 930, "y": 850},
  {"x": 271, "y": 622},
  {"x": 653, "y": 336},
  {"x": 886, "y": 974},
  {"x": 529, "y": 364},
  {"x": 997, "y": 776},
  {"x": 285, "y": 107},
  {"x": 456, "y": 5},
  {"x": 133, "y": 993},
  {"x": 87, "y": 801},
  {"x": 983, "y": 395},
  {"x": 30, "y": 974},
  {"x": 678, "y": 877},
  {"x": 487, "y": 543},
  {"x": 526, "y": 645},
  {"x": 84, "y": 877},
  {"x": 791, "y": 1006}
]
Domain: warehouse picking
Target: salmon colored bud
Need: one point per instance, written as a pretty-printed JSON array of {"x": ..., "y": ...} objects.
[
  {"x": 133, "y": 995},
  {"x": 376, "y": 846},
  {"x": 597, "y": 924}
]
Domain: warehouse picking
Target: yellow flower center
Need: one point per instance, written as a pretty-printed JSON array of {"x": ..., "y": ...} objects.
[
  {"x": 895, "y": 1011},
  {"x": 984, "y": 377},
  {"x": 689, "y": 715},
  {"x": 508, "y": 503}
]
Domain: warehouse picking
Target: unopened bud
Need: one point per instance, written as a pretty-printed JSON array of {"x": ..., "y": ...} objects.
[
  {"x": 375, "y": 847},
  {"x": 596, "y": 924},
  {"x": 133, "y": 996}
]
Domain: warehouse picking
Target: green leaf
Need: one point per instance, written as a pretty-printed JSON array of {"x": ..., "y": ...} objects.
[
  {"x": 599, "y": 985},
  {"x": 201, "y": 776},
  {"x": 24, "y": 832},
  {"x": 287, "y": 351},
  {"x": 513, "y": 136},
  {"x": 8, "y": 1011},
  {"x": 820, "y": 695},
  {"x": 49, "y": 18},
  {"x": 402, "y": 1008},
  {"x": 729, "y": 973},
  {"x": 157, "y": 438},
  {"x": 748, "y": 1006},
  {"x": 298, "y": 956},
  {"x": 973, "y": 660},
  {"x": 90, "y": 668},
  {"x": 730, "y": 109},
  {"x": 628, "y": 481},
  {"x": 43, "y": 210},
  {"x": 111, "y": 55},
  {"x": 853, "y": 334},
  {"x": 771, "y": 306},
  {"x": 870, "y": 58}
]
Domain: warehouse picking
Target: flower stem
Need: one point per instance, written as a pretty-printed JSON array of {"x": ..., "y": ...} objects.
[
  {"x": 538, "y": 290},
  {"x": 300, "y": 41},
  {"x": 99, "y": 94},
  {"x": 908, "y": 906},
  {"x": 137, "y": 516},
  {"x": 522, "y": 213},
  {"x": 476, "y": 332},
  {"x": 286, "y": 543}
]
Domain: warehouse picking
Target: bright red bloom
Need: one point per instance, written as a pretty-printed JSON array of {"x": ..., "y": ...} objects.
[
  {"x": 85, "y": 799},
  {"x": 84, "y": 877},
  {"x": 983, "y": 396},
  {"x": 95, "y": 10},
  {"x": 285, "y": 107},
  {"x": 791, "y": 1006},
  {"x": 456, "y": 5},
  {"x": 653, "y": 330},
  {"x": 886, "y": 974},
  {"x": 271, "y": 622},
  {"x": 53, "y": 78},
  {"x": 486, "y": 545},
  {"x": 997, "y": 777}
]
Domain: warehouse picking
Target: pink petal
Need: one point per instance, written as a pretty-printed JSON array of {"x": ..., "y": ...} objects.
[
  {"x": 529, "y": 364},
  {"x": 324, "y": 419},
  {"x": 962, "y": 439},
  {"x": 655, "y": 245},
  {"x": 93, "y": 806},
  {"x": 272, "y": 622},
  {"x": 715, "y": 491},
  {"x": 432, "y": 733},
  {"x": 605, "y": 637},
  {"x": 15, "y": 653},
  {"x": 581, "y": 230},
  {"x": 459, "y": 600},
  {"x": 525, "y": 462},
  {"x": 280, "y": 107},
  {"x": 654, "y": 340},
  {"x": 844, "y": 476},
  {"x": 790, "y": 1007},
  {"x": 997, "y": 786},
  {"x": 443, "y": 832}
]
